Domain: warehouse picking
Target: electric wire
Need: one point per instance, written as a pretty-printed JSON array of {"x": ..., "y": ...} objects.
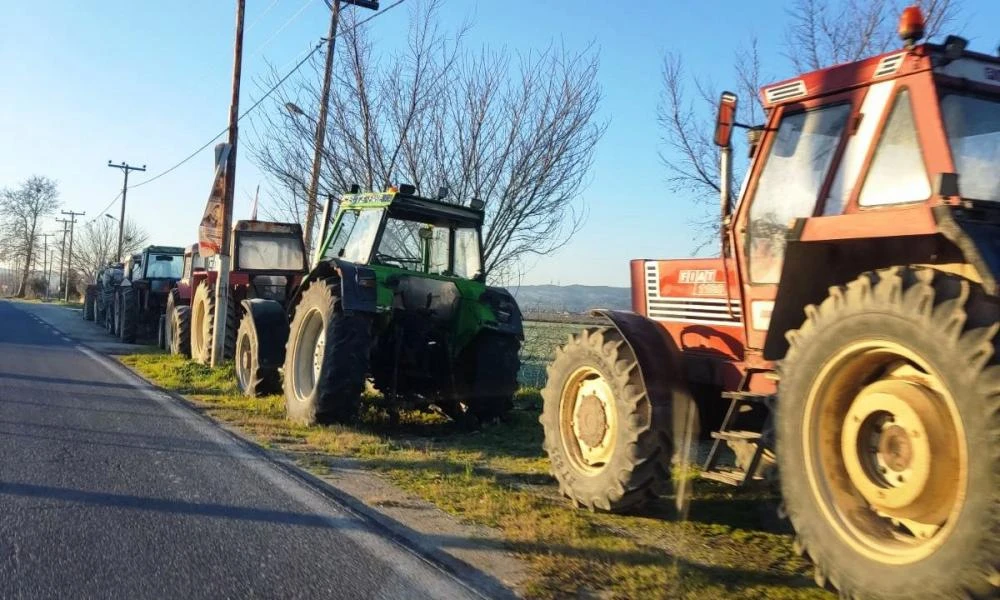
[
  {"x": 246, "y": 112},
  {"x": 278, "y": 31},
  {"x": 261, "y": 15}
]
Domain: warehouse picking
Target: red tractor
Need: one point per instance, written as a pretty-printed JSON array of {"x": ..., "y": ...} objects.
[
  {"x": 847, "y": 335},
  {"x": 269, "y": 262},
  {"x": 176, "y": 327}
]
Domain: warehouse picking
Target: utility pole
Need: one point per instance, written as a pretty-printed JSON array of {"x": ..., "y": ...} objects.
[
  {"x": 62, "y": 255},
  {"x": 69, "y": 258},
  {"x": 121, "y": 221},
  {"x": 46, "y": 271},
  {"x": 324, "y": 101},
  {"x": 222, "y": 283}
]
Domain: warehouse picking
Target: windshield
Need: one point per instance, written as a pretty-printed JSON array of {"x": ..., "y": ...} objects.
[
  {"x": 355, "y": 235},
  {"x": 973, "y": 126},
  {"x": 426, "y": 248},
  {"x": 262, "y": 251},
  {"x": 164, "y": 266}
]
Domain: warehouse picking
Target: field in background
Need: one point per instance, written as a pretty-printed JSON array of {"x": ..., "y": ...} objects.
[{"x": 540, "y": 342}]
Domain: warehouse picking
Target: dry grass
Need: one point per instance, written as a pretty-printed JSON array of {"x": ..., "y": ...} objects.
[{"x": 730, "y": 545}]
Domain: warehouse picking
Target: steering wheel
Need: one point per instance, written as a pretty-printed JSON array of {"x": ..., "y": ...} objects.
[{"x": 387, "y": 259}]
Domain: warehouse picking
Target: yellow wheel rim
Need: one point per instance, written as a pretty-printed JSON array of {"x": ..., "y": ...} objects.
[
  {"x": 588, "y": 420},
  {"x": 885, "y": 453}
]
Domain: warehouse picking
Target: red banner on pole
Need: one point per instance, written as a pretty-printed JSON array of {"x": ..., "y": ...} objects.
[{"x": 210, "y": 228}]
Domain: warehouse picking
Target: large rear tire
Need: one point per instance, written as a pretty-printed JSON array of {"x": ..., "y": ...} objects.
[
  {"x": 887, "y": 425},
  {"x": 609, "y": 448},
  {"x": 326, "y": 358},
  {"x": 253, "y": 379},
  {"x": 203, "y": 324},
  {"x": 129, "y": 315}
]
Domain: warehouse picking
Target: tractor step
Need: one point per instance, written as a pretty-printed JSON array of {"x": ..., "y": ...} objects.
[
  {"x": 737, "y": 436},
  {"x": 748, "y": 397},
  {"x": 734, "y": 477}
]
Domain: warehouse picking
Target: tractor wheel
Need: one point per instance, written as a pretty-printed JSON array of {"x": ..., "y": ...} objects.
[
  {"x": 326, "y": 359},
  {"x": 88, "y": 305},
  {"x": 168, "y": 316},
  {"x": 129, "y": 317},
  {"x": 887, "y": 425},
  {"x": 99, "y": 308},
  {"x": 203, "y": 324},
  {"x": 487, "y": 374},
  {"x": 109, "y": 312},
  {"x": 253, "y": 380},
  {"x": 180, "y": 331},
  {"x": 607, "y": 446},
  {"x": 161, "y": 332}
]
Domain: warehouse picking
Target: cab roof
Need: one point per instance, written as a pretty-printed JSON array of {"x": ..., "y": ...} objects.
[
  {"x": 416, "y": 208},
  {"x": 847, "y": 76}
]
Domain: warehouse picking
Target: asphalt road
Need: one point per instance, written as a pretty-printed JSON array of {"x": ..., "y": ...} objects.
[{"x": 110, "y": 488}]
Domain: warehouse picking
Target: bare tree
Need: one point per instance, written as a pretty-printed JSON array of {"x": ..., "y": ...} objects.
[
  {"x": 819, "y": 33},
  {"x": 23, "y": 208},
  {"x": 96, "y": 245},
  {"x": 518, "y": 132}
]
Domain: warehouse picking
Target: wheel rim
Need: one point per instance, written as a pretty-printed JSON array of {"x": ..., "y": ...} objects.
[
  {"x": 309, "y": 353},
  {"x": 884, "y": 448},
  {"x": 243, "y": 357},
  {"x": 197, "y": 323},
  {"x": 588, "y": 420}
]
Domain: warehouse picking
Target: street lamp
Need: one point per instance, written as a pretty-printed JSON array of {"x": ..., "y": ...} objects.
[
  {"x": 295, "y": 110},
  {"x": 113, "y": 218}
]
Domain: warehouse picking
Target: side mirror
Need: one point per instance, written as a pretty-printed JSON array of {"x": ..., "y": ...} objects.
[
  {"x": 426, "y": 233},
  {"x": 725, "y": 119}
]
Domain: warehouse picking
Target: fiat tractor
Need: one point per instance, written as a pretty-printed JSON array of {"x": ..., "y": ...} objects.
[
  {"x": 269, "y": 260},
  {"x": 176, "y": 328},
  {"x": 397, "y": 298},
  {"x": 847, "y": 335}
]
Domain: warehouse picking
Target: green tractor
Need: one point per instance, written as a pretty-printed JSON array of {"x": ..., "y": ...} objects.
[{"x": 398, "y": 298}]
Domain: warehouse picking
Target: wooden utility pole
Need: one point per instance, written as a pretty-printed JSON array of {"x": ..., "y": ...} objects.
[
  {"x": 324, "y": 101},
  {"x": 69, "y": 258},
  {"x": 224, "y": 256},
  {"x": 62, "y": 255},
  {"x": 46, "y": 271},
  {"x": 121, "y": 221}
]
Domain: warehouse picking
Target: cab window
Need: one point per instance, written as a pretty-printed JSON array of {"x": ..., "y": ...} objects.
[
  {"x": 795, "y": 169},
  {"x": 897, "y": 174}
]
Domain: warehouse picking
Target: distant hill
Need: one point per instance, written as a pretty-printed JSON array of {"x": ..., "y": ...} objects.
[{"x": 571, "y": 298}]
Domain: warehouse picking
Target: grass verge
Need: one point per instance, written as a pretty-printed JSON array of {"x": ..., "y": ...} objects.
[{"x": 730, "y": 545}]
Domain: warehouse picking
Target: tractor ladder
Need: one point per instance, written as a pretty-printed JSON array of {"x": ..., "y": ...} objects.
[{"x": 743, "y": 407}]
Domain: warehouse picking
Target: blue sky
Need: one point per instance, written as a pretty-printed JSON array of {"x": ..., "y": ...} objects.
[{"x": 148, "y": 82}]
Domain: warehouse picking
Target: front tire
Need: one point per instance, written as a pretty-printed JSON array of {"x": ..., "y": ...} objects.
[
  {"x": 180, "y": 331},
  {"x": 88, "y": 305},
  {"x": 607, "y": 442},
  {"x": 252, "y": 378},
  {"x": 326, "y": 358},
  {"x": 887, "y": 426}
]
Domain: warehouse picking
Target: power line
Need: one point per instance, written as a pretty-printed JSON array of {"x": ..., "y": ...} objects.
[
  {"x": 261, "y": 15},
  {"x": 280, "y": 29},
  {"x": 259, "y": 101}
]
